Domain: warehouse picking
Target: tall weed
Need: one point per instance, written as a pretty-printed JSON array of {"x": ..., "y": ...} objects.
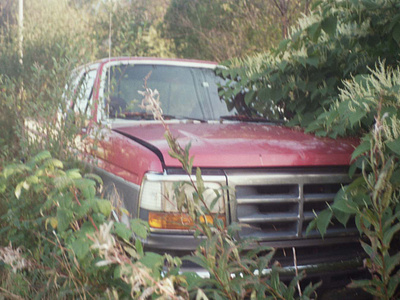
[
  {"x": 371, "y": 102},
  {"x": 235, "y": 272}
]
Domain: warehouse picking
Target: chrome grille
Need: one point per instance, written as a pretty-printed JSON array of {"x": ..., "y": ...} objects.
[{"x": 279, "y": 205}]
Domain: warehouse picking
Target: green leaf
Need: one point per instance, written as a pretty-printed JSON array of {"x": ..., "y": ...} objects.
[
  {"x": 217, "y": 296},
  {"x": 122, "y": 231},
  {"x": 345, "y": 206},
  {"x": 41, "y": 157},
  {"x": 53, "y": 222},
  {"x": 103, "y": 206},
  {"x": 388, "y": 235},
  {"x": 323, "y": 220},
  {"x": 83, "y": 210},
  {"x": 311, "y": 226},
  {"x": 352, "y": 170},
  {"x": 283, "y": 45},
  {"x": 282, "y": 65},
  {"x": 201, "y": 261},
  {"x": 87, "y": 187},
  {"x": 62, "y": 182},
  {"x": 139, "y": 247},
  {"x": 314, "y": 31},
  {"x": 193, "y": 279},
  {"x": 310, "y": 289},
  {"x": 342, "y": 217},
  {"x": 248, "y": 98},
  {"x": 370, "y": 4},
  {"x": 264, "y": 94},
  {"x": 356, "y": 116},
  {"x": 315, "y": 4},
  {"x": 360, "y": 283},
  {"x": 53, "y": 163},
  {"x": 13, "y": 169},
  {"x": 199, "y": 182},
  {"x": 393, "y": 284},
  {"x": 117, "y": 272},
  {"x": 395, "y": 180},
  {"x": 73, "y": 174},
  {"x": 18, "y": 190},
  {"x": 94, "y": 177},
  {"x": 153, "y": 261},
  {"x": 64, "y": 218},
  {"x": 368, "y": 249},
  {"x": 394, "y": 21},
  {"x": 32, "y": 179},
  {"x": 140, "y": 228},
  {"x": 391, "y": 262},
  {"x": 87, "y": 228},
  {"x": 313, "y": 61},
  {"x": 81, "y": 247},
  {"x": 357, "y": 183},
  {"x": 394, "y": 146},
  {"x": 361, "y": 149},
  {"x": 329, "y": 25}
]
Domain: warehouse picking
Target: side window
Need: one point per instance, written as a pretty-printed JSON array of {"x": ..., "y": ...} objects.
[{"x": 83, "y": 93}]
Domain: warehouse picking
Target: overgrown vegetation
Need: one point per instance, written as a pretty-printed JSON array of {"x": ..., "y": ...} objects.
[
  {"x": 299, "y": 79},
  {"x": 336, "y": 75},
  {"x": 64, "y": 244},
  {"x": 373, "y": 197},
  {"x": 33, "y": 90}
]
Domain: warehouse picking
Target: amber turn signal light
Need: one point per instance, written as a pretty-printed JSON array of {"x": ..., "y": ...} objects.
[{"x": 181, "y": 221}]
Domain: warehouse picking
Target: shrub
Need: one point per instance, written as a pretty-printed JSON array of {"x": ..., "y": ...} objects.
[
  {"x": 371, "y": 102},
  {"x": 71, "y": 248},
  {"x": 300, "y": 79}
]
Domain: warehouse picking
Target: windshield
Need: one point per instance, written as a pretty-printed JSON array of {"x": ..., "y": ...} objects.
[{"x": 185, "y": 92}]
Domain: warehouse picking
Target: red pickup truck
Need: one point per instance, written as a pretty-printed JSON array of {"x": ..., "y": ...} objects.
[{"x": 279, "y": 178}]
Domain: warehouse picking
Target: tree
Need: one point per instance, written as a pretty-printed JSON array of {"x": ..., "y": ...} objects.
[
  {"x": 221, "y": 29},
  {"x": 301, "y": 77},
  {"x": 289, "y": 10},
  {"x": 134, "y": 29}
]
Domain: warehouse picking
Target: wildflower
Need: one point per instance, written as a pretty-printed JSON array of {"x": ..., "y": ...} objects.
[{"x": 13, "y": 258}]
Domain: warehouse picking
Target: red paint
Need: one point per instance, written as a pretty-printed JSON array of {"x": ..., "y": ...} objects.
[
  {"x": 246, "y": 145},
  {"x": 123, "y": 157},
  {"x": 215, "y": 145}
]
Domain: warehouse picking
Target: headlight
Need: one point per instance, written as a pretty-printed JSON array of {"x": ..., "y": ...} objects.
[{"x": 158, "y": 198}]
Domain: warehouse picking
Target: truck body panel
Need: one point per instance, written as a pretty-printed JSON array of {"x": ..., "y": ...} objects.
[{"x": 278, "y": 178}]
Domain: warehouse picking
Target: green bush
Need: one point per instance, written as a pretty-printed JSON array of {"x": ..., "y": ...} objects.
[
  {"x": 32, "y": 91},
  {"x": 371, "y": 102},
  {"x": 64, "y": 243},
  {"x": 300, "y": 79},
  {"x": 337, "y": 75},
  {"x": 58, "y": 238}
]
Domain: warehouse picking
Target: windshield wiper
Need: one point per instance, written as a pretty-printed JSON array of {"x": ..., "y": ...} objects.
[
  {"x": 245, "y": 118},
  {"x": 139, "y": 116},
  {"x": 190, "y": 118},
  {"x": 149, "y": 116}
]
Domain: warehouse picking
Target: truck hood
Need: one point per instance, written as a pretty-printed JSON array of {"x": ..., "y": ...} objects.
[{"x": 243, "y": 145}]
